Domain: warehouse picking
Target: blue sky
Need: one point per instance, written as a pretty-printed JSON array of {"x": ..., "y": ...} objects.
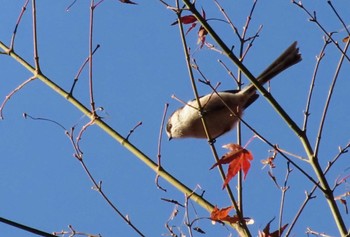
[{"x": 139, "y": 66}]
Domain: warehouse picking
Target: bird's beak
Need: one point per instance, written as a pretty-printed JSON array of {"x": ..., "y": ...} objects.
[{"x": 170, "y": 138}]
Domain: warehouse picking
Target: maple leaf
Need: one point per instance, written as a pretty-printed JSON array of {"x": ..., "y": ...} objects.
[
  {"x": 223, "y": 215},
  {"x": 238, "y": 158},
  {"x": 266, "y": 231}
]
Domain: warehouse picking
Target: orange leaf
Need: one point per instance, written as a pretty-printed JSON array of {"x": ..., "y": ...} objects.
[
  {"x": 238, "y": 158},
  {"x": 219, "y": 214},
  {"x": 223, "y": 215}
]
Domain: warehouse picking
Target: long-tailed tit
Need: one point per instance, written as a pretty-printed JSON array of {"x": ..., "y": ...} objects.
[{"x": 186, "y": 121}]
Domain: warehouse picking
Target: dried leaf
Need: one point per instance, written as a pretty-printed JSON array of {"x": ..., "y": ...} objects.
[
  {"x": 202, "y": 33},
  {"x": 269, "y": 161}
]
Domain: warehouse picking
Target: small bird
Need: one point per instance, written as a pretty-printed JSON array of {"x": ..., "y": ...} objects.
[{"x": 186, "y": 121}]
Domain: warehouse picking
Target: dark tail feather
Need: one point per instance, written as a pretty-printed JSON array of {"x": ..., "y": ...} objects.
[{"x": 288, "y": 58}]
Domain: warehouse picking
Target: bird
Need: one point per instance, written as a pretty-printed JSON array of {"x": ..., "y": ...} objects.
[{"x": 222, "y": 110}]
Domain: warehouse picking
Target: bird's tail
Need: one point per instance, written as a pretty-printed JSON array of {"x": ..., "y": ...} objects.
[{"x": 288, "y": 58}]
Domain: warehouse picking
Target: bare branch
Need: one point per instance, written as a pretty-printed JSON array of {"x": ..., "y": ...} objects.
[
  {"x": 312, "y": 84},
  {"x": 12, "y": 44},
  {"x": 8, "y": 97}
]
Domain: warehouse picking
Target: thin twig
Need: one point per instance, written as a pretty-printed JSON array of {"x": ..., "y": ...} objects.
[
  {"x": 280, "y": 150},
  {"x": 12, "y": 44},
  {"x": 35, "y": 39},
  {"x": 187, "y": 216},
  {"x": 284, "y": 189},
  {"x": 81, "y": 132},
  {"x": 329, "y": 97},
  {"x": 239, "y": 129},
  {"x": 98, "y": 188},
  {"x": 312, "y": 232},
  {"x": 133, "y": 130},
  {"x": 70, "y": 5},
  {"x": 25, "y": 115},
  {"x": 97, "y": 185},
  {"x": 172, "y": 201},
  {"x": 159, "y": 152},
  {"x": 312, "y": 84},
  {"x": 8, "y": 97},
  {"x": 164, "y": 3},
  {"x": 97, "y": 4},
  {"x": 339, "y": 17},
  {"x": 251, "y": 41},
  {"x": 91, "y": 28},
  {"x": 249, "y": 18},
  {"x": 76, "y": 78},
  {"x": 229, "y": 72},
  {"x": 182, "y": 102},
  {"x": 228, "y": 19},
  {"x": 72, "y": 232}
]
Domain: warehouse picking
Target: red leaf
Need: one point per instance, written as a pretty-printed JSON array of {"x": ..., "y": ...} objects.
[
  {"x": 238, "y": 157},
  {"x": 192, "y": 26},
  {"x": 186, "y": 20}
]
